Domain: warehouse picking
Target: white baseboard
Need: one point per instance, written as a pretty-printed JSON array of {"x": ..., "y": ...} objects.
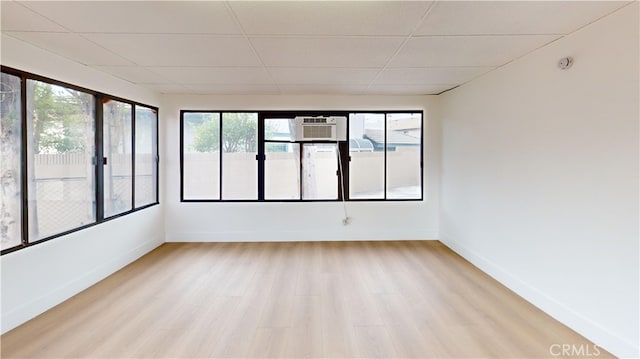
[
  {"x": 31, "y": 309},
  {"x": 561, "y": 312},
  {"x": 296, "y": 236}
]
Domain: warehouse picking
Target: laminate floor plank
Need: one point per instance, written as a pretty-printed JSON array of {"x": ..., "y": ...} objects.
[{"x": 394, "y": 299}]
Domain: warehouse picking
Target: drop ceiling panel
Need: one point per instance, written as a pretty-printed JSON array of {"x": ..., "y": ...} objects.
[
  {"x": 322, "y": 89},
  {"x": 429, "y": 75},
  {"x": 179, "y": 50},
  {"x": 234, "y": 89},
  {"x": 16, "y": 17},
  {"x": 329, "y": 17},
  {"x": 135, "y": 74},
  {"x": 269, "y": 47},
  {"x": 512, "y": 17},
  {"x": 325, "y": 51},
  {"x": 166, "y": 88},
  {"x": 204, "y": 17},
  {"x": 71, "y": 46},
  {"x": 408, "y": 89},
  {"x": 477, "y": 51},
  {"x": 216, "y": 75},
  {"x": 322, "y": 75}
]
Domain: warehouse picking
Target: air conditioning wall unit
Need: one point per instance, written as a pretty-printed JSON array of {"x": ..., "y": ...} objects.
[{"x": 320, "y": 128}]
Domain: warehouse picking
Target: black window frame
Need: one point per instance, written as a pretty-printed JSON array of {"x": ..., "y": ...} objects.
[
  {"x": 343, "y": 147},
  {"x": 99, "y": 97}
]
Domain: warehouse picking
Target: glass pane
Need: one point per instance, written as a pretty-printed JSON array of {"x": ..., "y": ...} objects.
[
  {"x": 282, "y": 171},
  {"x": 403, "y": 155},
  {"x": 60, "y": 152},
  {"x": 319, "y": 171},
  {"x": 366, "y": 148},
  {"x": 118, "y": 151},
  {"x": 146, "y": 154},
  {"x": 240, "y": 147},
  {"x": 10, "y": 160},
  {"x": 278, "y": 129},
  {"x": 201, "y": 155}
]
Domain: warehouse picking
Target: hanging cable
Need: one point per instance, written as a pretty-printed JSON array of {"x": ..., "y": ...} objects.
[{"x": 346, "y": 218}]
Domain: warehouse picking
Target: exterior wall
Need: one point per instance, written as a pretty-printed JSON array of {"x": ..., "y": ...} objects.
[
  {"x": 259, "y": 221},
  {"x": 37, "y": 278}
]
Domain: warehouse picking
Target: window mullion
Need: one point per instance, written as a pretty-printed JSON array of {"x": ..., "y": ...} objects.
[
  {"x": 386, "y": 146},
  {"x": 300, "y": 173},
  {"x": 99, "y": 157},
  {"x": 220, "y": 149},
  {"x": 261, "y": 156},
  {"x": 24, "y": 184},
  {"x": 133, "y": 156}
]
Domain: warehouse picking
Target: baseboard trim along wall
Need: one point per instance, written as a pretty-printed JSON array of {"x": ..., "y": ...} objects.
[
  {"x": 297, "y": 236},
  {"x": 564, "y": 314}
]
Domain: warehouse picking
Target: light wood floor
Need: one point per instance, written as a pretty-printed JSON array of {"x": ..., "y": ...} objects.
[{"x": 310, "y": 299}]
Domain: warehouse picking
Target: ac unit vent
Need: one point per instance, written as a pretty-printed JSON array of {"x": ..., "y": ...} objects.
[
  {"x": 320, "y": 128},
  {"x": 313, "y": 132},
  {"x": 314, "y": 120}
]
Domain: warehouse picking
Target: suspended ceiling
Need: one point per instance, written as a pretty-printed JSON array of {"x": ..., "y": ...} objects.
[{"x": 296, "y": 47}]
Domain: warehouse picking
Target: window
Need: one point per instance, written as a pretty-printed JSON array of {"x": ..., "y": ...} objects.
[
  {"x": 146, "y": 158},
  {"x": 282, "y": 160},
  {"x": 10, "y": 160},
  {"x": 252, "y": 156},
  {"x": 319, "y": 171},
  {"x": 366, "y": 168},
  {"x": 239, "y": 150},
  {"x": 219, "y": 155},
  {"x": 200, "y": 155},
  {"x": 61, "y": 147},
  {"x": 77, "y": 158},
  {"x": 118, "y": 151},
  {"x": 404, "y": 153},
  {"x": 282, "y": 171},
  {"x": 386, "y": 155}
]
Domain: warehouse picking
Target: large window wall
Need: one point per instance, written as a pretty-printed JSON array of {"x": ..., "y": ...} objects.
[
  {"x": 71, "y": 158},
  {"x": 252, "y": 156}
]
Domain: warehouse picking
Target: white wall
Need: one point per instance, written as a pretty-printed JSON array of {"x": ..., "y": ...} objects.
[
  {"x": 39, "y": 277},
  {"x": 298, "y": 221},
  {"x": 540, "y": 179}
]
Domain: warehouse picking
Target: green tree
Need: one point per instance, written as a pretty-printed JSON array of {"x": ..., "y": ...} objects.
[
  {"x": 239, "y": 132},
  {"x": 207, "y": 131},
  {"x": 58, "y": 119}
]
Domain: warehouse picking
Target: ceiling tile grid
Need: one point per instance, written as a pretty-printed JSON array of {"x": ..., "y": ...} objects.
[
  {"x": 512, "y": 17},
  {"x": 17, "y": 17},
  {"x": 178, "y": 49},
  {"x": 429, "y": 75},
  {"x": 323, "y": 75},
  {"x": 136, "y": 74},
  {"x": 139, "y": 17},
  {"x": 72, "y": 46},
  {"x": 478, "y": 51},
  {"x": 216, "y": 75},
  {"x": 325, "y": 51},
  {"x": 296, "y": 47},
  {"x": 320, "y": 18}
]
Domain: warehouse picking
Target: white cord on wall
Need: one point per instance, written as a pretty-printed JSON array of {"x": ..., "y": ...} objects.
[{"x": 346, "y": 218}]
